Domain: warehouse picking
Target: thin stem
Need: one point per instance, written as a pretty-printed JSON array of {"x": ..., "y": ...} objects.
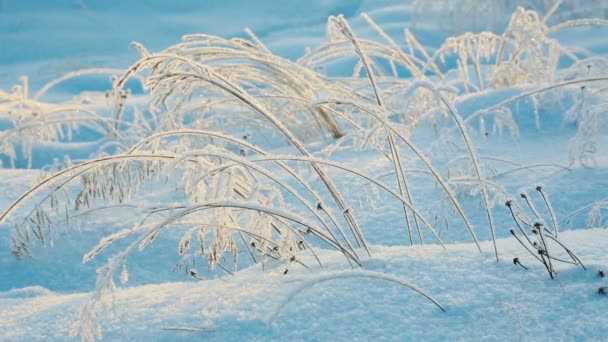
[
  {"x": 549, "y": 209},
  {"x": 350, "y": 274}
]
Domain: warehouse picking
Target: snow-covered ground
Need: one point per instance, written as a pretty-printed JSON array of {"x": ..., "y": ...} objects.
[
  {"x": 484, "y": 301},
  {"x": 41, "y": 296}
]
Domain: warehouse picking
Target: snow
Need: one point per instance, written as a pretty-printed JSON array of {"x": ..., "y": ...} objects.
[
  {"x": 484, "y": 301},
  {"x": 41, "y": 297}
]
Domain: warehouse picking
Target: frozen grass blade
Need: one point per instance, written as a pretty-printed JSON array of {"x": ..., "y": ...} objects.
[
  {"x": 349, "y": 274},
  {"x": 425, "y": 160},
  {"x": 396, "y": 158}
]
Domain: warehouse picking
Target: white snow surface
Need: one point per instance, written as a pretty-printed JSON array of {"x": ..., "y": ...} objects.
[
  {"x": 41, "y": 297},
  {"x": 484, "y": 301}
]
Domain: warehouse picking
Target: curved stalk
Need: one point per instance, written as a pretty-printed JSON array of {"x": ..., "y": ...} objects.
[{"x": 207, "y": 75}]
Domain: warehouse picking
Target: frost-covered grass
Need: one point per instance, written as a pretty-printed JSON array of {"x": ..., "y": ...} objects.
[{"x": 220, "y": 162}]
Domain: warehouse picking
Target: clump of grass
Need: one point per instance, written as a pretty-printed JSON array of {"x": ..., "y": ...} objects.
[
  {"x": 29, "y": 120},
  {"x": 536, "y": 237}
]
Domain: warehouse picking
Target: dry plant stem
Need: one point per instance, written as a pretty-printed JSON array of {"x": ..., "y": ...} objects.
[
  {"x": 257, "y": 41},
  {"x": 503, "y": 43},
  {"x": 96, "y": 116},
  {"x": 205, "y": 133},
  {"x": 329, "y": 51},
  {"x": 261, "y": 152},
  {"x": 349, "y": 274},
  {"x": 425, "y": 161},
  {"x": 564, "y": 261},
  {"x": 93, "y": 114},
  {"x": 249, "y": 248},
  {"x": 526, "y": 247},
  {"x": 473, "y": 157},
  {"x": 541, "y": 258},
  {"x": 284, "y": 74},
  {"x": 360, "y": 174},
  {"x": 478, "y": 70},
  {"x": 412, "y": 40},
  {"x": 541, "y": 232},
  {"x": 153, "y": 232},
  {"x": 76, "y": 168},
  {"x": 370, "y": 179},
  {"x": 293, "y": 174},
  {"x": 403, "y": 189},
  {"x": 550, "y": 210},
  {"x": 551, "y": 11},
  {"x": 486, "y": 182},
  {"x": 73, "y": 74},
  {"x": 225, "y": 269},
  {"x": 46, "y": 122},
  {"x": 207, "y": 75},
  {"x": 247, "y": 163},
  {"x": 35, "y": 189},
  {"x": 577, "y": 22},
  {"x": 488, "y": 110},
  {"x": 546, "y": 250},
  {"x": 396, "y": 158},
  {"x": 570, "y": 253},
  {"x": 516, "y": 220},
  {"x": 90, "y": 211},
  {"x": 52, "y": 192},
  {"x": 105, "y": 274},
  {"x": 529, "y": 168},
  {"x": 406, "y": 59},
  {"x": 240, "y": 142},
  {"x": 547, "y": 266},
  {"x": 494, "y": 159},
  {"x": 532, "y": 209},
  {"x": 579, "y": 210},
  {"x": 231, "y": 227}
]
